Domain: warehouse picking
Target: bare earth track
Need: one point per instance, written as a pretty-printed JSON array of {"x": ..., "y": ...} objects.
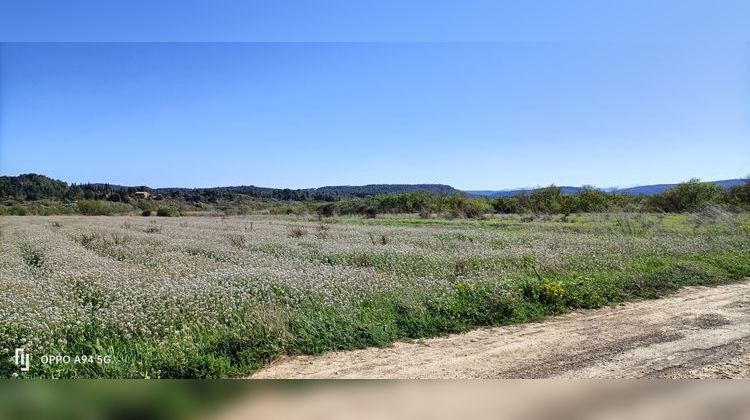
[{"x": 699, "y": 332}]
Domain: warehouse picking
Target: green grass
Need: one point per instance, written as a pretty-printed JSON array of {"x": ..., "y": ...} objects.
[
  {"x": 314, "y": 328},
  {"x": 482, "y": 290}
]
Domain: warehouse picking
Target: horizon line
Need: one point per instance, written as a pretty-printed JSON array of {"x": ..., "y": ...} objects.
[{"x": 611, "y": 187}]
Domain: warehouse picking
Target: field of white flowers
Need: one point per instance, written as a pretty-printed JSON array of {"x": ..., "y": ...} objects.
[{"x": 215, "y": 297}]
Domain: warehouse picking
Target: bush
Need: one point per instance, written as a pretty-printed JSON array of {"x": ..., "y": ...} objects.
[
  {"x": 589, "y": 199},
  {"x": 551, "y": 293},
  {"x": 144, "y": 204},
  {"x": 687, "y": 196},
  {"x": 740, "y": 195},
  {"x": 327, "y": 210},
  {"x": 146, "y": 213},
  {"x": 476, "y": 208},
  {"x": 17, "y": 211},
  {"x": 371, "y": 212},
  {"x": 101, "y": 208},
  {"x": 167, "y": 211},
  {"x": 506, "y": 205}
]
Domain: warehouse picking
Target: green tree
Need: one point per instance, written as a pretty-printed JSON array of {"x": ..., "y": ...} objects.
[
  {"x": 740, "y": 195},
  {"x": 590, "y": 199},
  {"x": 688, "y": 196},
  {"x": 546, "y": 200},
  {"x": 506, "y": 205}
]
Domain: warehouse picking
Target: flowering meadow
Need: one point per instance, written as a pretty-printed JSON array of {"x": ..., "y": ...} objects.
[{"x": 219, "y": 297}]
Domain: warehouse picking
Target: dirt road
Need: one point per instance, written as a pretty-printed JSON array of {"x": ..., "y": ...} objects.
[{"x": 697, "y": 333}]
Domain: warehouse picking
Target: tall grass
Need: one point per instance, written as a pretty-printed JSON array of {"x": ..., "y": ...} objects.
[{"x": 212, "y": 298}]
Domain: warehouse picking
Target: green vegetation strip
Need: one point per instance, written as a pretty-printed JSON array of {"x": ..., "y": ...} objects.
[{"x": 245, "y": 343}]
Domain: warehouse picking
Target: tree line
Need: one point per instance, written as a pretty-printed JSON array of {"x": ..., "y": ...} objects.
[
  {"x": 32, "y": 187},
  {"x": 21, "y": 195},
  {"x": 688, "y": 196}
]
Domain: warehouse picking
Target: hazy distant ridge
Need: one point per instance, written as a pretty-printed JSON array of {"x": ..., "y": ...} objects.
[{"x": 639, "y": 190}]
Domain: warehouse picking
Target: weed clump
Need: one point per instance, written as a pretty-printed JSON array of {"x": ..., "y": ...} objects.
[
  {"x": 85, "y": 239},
  {"x": 381, "y": 239},
  {"x": 236, "y": 240},
  {"x": 297, "y": 232},
  {"x": 153, "y": 228},
  {"x": 32, "y": 256},
  {"x": 322, "y": 231}
]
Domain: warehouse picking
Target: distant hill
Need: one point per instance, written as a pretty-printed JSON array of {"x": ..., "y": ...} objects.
[
  {"x": 660, "y": 188},
  {"x": 328, "y": 193},
  {"x": 374, "y": 189},
  {"x": 38, "y": 187},
  {"x": 640, "y": 190},
  {"x": 515, "y": 192}
]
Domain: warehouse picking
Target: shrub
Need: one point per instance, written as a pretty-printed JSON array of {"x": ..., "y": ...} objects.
[
  {"x": 167, "y": 211},
  {"x": 506, "y": 205},
  {"x": 740, "y": 195},
  {"x": 546, "y": 200},
  {"x": 371, "y": 212},
  {"x": 551, "y": 293},
  {"x": 473, "y": 212},
  {"x": 687, "y": 196},
  {"x": 146, "y": 213},
  {"x": 101, "y": 208},
  {"x": 17, "y": 211},
  {"x": 589, "y": 199},
  {"x": 327, "y": 210},
  {"x": 144, "y": 204}
]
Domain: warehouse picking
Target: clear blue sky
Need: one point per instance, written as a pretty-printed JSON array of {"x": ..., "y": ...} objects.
[
  {"x": 375, "y": 20},
  {"x": 570, "y": 108}
]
